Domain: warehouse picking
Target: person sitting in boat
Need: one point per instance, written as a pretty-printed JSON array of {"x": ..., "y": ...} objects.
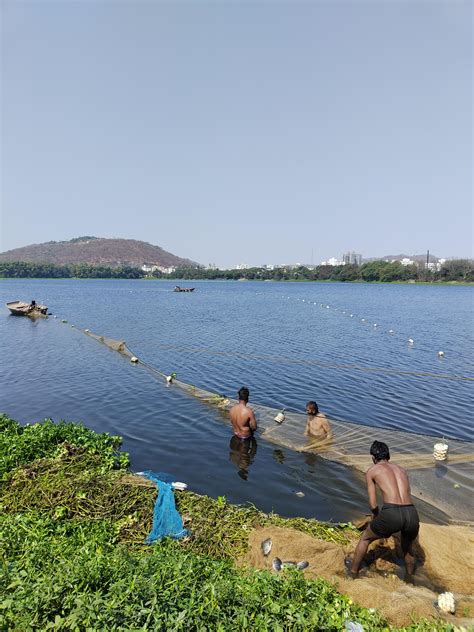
[
  {"x": 317, "y": 425},
  {"x": 242, "y": 416}
]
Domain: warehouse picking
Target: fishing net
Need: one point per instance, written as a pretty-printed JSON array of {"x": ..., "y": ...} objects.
[{"x": 447, "y": 484}]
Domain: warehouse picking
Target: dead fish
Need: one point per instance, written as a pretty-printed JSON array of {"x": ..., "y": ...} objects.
[
  {"x": 266, "y": 546},
  {"x": 276, "y": 564},
  {"x": 302, "y": 565},
  {"x": 288, "y": 563}
]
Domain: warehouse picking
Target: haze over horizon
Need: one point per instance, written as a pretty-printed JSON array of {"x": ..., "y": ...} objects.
[{"x": 230, "y": 133}]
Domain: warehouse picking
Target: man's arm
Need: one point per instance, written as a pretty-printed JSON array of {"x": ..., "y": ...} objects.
[
  {"x": 371, "y": 492},
  {"x": 327, "y": 428},
  {"x": 252, "y": 420}
]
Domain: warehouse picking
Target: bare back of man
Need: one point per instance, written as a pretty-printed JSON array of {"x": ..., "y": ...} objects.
[
  {"x": 392, "y": 480},
  {"x": 242, "y": 416},
  {"x": 397, "y": 514}
]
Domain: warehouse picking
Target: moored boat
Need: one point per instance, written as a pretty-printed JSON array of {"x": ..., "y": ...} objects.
[
  {"x": 183, "y": 289},
  {"x": 19, "y": 308}
]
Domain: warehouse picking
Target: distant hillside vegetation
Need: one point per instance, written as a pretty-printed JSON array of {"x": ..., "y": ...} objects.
[
  {"x": 96, "y": 251},
  {"x": 420, "y": 258}
]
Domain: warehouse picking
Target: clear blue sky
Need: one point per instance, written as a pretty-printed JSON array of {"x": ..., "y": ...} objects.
[{"x": 229, "y": 132}]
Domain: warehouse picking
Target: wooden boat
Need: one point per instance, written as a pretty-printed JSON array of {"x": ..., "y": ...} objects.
[
  {"x": 183, "y": 289},
  {"x": 18, "y": 308}
]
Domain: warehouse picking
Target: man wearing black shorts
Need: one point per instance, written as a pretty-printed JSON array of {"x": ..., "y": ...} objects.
[{"x": 397, "y": 513}]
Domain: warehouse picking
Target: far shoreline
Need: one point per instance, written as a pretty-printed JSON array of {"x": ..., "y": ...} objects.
[{"x": 355, "y": 282}]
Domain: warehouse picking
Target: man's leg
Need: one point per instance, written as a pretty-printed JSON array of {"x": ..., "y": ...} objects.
[
  {"x": 361, "y": 549},
  {"x": 407, "y": 548}
]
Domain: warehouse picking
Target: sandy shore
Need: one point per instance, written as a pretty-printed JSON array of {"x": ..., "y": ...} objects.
[{"x": 445, "y": 564}]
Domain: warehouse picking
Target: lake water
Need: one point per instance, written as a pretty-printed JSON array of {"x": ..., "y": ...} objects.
[{"x": 288, "y": 342}]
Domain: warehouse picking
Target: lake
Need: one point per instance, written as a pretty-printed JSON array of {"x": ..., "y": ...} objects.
[{"x": 288, "y": 342}]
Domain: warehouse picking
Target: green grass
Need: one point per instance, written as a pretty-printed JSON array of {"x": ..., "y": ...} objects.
[{"x": 72, "y": 553}]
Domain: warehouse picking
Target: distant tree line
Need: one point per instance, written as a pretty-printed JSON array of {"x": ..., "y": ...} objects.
[
  {"x": 461, "y": 270},
  {"x": 22, "y": 269},
  {"x": 381, "y": 271}
]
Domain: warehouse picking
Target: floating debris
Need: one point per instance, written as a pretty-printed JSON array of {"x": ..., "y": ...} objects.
[
  {"x": 280, "y": 418},
  {"x": 411, "y": 341},
  {"x": 266, "y": 546},
  {"x": 170, "y": 378},
  {"x": 440, "y": 451},
  {"x": 299, "y": 494},
  {"x": 440, "y": 354}
]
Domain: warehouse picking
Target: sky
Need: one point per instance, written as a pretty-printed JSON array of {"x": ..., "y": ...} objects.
[{"x": 239, "y": 132}]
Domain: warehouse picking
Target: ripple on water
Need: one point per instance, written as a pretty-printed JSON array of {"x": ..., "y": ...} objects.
[{"x": 285, "y": 350}]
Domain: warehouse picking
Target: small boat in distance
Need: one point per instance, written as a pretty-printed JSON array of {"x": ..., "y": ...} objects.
[
  {"x": 183, "y": 289},
  {"x": 18, "y": 308}
]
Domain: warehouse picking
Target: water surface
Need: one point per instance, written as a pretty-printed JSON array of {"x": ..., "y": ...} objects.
[{"x": 288, "y": 342}]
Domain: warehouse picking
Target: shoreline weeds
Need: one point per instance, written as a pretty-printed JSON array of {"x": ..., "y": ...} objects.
[{"x": 69, "y": 491}]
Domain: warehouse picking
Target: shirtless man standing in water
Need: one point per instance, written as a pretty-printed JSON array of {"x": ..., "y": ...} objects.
[
  {"x": 317, "y": 425},
  {"x": 397, "y": 513},
  {"x": 242, "y": 416}
]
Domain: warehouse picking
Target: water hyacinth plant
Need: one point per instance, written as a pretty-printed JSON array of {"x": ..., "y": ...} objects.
[{"x": 72, "y": 553}]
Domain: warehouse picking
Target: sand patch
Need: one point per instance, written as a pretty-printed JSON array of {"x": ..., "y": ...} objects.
[{"x": 446, "y": 554}]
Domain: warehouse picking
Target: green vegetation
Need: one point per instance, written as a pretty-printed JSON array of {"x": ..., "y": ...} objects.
[
  {"x": 460, "y": 270},
  {"x": 72, "y": 526},
  {"x": 456, "y": 270},
  {"x": 23, "y": 270}
]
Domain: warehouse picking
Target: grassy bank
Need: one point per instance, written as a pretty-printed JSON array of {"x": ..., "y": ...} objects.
[{"x": 72, "y": 527}]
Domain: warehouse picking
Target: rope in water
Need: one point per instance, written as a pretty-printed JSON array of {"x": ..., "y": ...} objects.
[{"x": 326, "y": 365}]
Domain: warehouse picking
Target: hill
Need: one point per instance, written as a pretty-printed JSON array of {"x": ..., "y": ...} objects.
[
  {"x": 97, "y": 251},
  {"x": 420, "y": 258}
]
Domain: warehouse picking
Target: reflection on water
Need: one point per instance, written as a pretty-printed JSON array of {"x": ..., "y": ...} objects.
[
  {"x": 242, "y": 454},
  {"x": 279, "y": 456}
]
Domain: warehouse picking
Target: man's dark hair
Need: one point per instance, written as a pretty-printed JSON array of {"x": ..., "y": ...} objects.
[
  {"x": 244, "y": 394},
  {"x": 313, "y": 405},
  {"x": 379, "y": 450}
]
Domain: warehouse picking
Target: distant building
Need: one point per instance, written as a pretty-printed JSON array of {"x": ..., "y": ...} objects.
[
  {"x": 332, "y": 262},
  {"x": 242, "y": 266},
  {"x": 352, "y": 258},
  {"x": 150, "y": 268}
]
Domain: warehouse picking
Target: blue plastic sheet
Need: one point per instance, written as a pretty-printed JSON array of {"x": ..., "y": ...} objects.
[{"x": 167, "y": 521}]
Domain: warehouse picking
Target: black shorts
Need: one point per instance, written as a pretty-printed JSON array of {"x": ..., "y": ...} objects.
[{"x": 393, "y": 518}]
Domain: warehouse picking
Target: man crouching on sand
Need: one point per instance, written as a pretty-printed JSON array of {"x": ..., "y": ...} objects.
[
  {"x": 397, "y": 513},
  {"x": 242, "y": 416}
]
